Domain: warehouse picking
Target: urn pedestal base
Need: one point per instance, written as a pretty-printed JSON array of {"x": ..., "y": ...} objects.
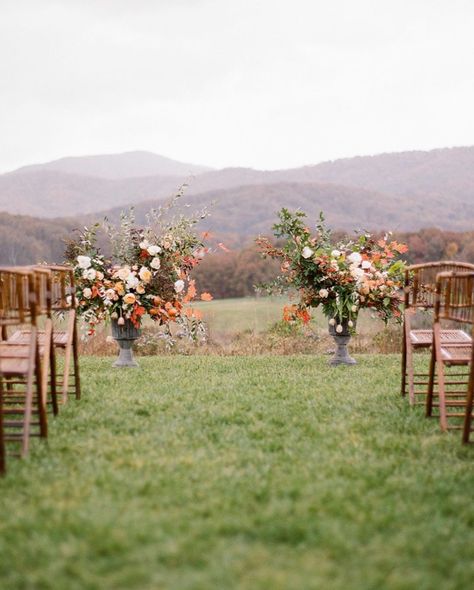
[
  {"x": 341, "y": 356},
  {"x": 125, "y": 336}
]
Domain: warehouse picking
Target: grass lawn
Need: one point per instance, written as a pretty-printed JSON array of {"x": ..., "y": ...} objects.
[{"x": 239, "y": 472}]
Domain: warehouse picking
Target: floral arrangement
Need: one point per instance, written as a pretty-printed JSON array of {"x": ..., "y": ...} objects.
[
  {"x": 146, "y": 273},
  {"x": 342, "y": 278}
]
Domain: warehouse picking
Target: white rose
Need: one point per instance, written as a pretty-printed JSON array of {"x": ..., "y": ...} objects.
[
  {"x": 355, "y": 258},
  {"x": 87, "y": 293},
  {"x": 179, "y": 286},
  {"x": 357, "y": 272},
  {"x": 144, "y": 245},
  {"x": 354, "y": 308},
  {"x": 153, "y": 250},
  {"x": 110, "y": 294},
  {"x": 307, "y": 252},
  {"x": 83, "y": 262},
  {"x": 132, "y": 281},
  {"x": 155, "y": 263},
  {"x": 89, "y": 274},
  {"x": 335, "y": 253},
  {"x": 366, "y": 264},
  {"x": 123, "y": 273},
  {"x": 323, "y": 293},
  {"x": 350, "y": 323},
  {"x": 145, "y": 274},
  {"x": 332, "y": 322},
  {"x": 339, "y": 329}
]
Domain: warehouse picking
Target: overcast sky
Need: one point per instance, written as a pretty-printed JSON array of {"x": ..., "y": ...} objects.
[{"x": 260, "y": 83}]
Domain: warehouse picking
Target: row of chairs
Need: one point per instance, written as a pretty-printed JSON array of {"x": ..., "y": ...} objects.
[
  {"x": 37, "y": 318},
  {"x": 446, "y": 289}
]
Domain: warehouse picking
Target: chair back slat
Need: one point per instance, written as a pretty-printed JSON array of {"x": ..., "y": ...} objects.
[
  {"x": 455, "y": 297},
  {"x": 420, "y": 281},
  {"x": 62, "y": 288},
  {"x": 18, "y": 299},
  {"x": 43, "y": 290}
]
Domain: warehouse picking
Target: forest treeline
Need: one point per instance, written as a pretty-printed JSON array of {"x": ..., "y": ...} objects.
[{"x": 28, "y": 240}]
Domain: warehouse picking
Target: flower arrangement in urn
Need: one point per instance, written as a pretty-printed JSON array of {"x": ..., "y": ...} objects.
[
  {"x": 341, "y": 277},
  {"x": 145, "y": 274}
]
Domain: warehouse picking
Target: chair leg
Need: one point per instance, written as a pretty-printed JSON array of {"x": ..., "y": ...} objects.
[
  {"x": 404, "y": 363},
  {"x": 29, "y": 386},
  {"x": 430, "y": 393},
  {"x": 67, "y": 356},
  {"x": 41, "y": 397},
  {"x": 441, "y": 381},
  {"x": 469, "y": 406},
  {"x": 77, "y": 377},
  {"x": 411, "y": 376},
  {"x": 2, "y": 440},
  {"x": 49, "y": 367},
  {"x": 54, "y": 391}
]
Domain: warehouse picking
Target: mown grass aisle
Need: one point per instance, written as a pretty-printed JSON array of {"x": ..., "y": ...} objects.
[{"x": 249, "y": 473}]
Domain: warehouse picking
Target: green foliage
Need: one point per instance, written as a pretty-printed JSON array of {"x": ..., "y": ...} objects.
[
  {"x": 341, "y": 277},
  {"x": 240, "y": 473}
]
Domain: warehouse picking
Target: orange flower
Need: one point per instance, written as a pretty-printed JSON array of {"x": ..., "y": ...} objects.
[
  {"x": 289, "y": 312},
  {"x": 193, "y": 313},
  {"x": 191, "y": 293},
  {"x": 303, "y": 315},
  {"x": 206, "y": 297}
]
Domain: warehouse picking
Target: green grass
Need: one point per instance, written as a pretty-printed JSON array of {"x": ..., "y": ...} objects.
[
  {"x": 227, "y": 317},
  {"x": 230, "y": 316},
  {"x": 240, "y": 473}
]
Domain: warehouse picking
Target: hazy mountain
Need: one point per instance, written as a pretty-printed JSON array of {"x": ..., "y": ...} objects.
[
  {"x": 114, "y": 166},
  {"x": 48, "y": 193},
  {"x": 243, "y": 212},
  {"x": 448, "y": 173},
  {"x": 404, "y": 191}
]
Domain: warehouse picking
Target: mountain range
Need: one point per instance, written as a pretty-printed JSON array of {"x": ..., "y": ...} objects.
[{"x": 401, "y": 191}]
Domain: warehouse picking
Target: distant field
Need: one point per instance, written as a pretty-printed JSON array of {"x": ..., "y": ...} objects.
[{"x": 227, "y": 317}]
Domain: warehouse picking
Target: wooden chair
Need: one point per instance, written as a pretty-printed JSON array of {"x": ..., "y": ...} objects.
[
  {"x": 449, "y": 391},
  {"x": 42, "y": 279},
  {"x": 420, "y": 288},
  {"x": 63, "y": 307},
  {"x": 21, "y": 383}
]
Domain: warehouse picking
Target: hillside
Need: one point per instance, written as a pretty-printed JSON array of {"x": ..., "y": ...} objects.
[
  {"x": 249, "y": 210},
  {"x": 47, "y": 193},
  {"x": 447, "y": 173},
  {"x": 429, "y": 188},
  {"x": 28, "y": 240},
  {"x": 116, "y": 166}
]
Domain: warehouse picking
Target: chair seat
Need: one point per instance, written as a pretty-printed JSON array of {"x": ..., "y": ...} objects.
[
  {"x": 14, "y": 359},
  {"x": 456, "y": 354},
  {"x": 60, "y": 338},
  {"x": 425, "y": 337}
]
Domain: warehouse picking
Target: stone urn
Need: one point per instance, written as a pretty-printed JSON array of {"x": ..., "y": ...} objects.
[
  {"x": 125, "y": 336},
  {"x": 341, "y": 356}
]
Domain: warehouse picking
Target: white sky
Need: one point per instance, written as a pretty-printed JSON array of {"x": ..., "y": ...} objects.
[{"x": 260, "y": 83}]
